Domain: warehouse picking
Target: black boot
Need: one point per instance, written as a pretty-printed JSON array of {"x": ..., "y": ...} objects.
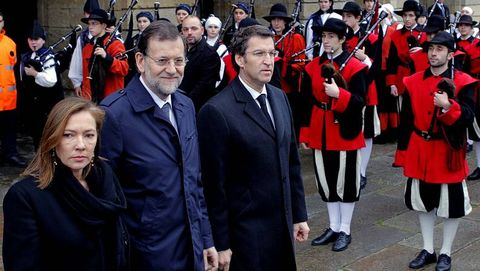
[{"x": 475, "y": 175}]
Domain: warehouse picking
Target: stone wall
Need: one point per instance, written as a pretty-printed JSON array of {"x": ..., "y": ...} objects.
[{"x": 60, "y": 15}]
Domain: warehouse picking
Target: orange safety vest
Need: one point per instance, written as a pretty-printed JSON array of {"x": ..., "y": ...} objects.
[{"x": 8, "y": 87}]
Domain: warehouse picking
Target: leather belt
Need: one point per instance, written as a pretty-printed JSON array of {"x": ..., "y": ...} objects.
[
  {"x": 322, "y": 105},
  {"x": 427, "y": 135}
]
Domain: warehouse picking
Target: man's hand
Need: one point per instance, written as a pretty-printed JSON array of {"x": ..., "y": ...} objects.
[
  {"x": 224, "y": 258},
  {"x": 30, "y": 71},
  {"x": 210, "y": 259},
  {"x": 300, "y": 231},
  {"x": 332, "y": 89},
  {"x": 304, "y": 146},
  {"x": 360, "y": 54},
  {"x": 99, "y": 51},
  {"x": 78, "y": 91},
  {"x": 394, "y": 90},
  {"x": 441, "y": 100}
]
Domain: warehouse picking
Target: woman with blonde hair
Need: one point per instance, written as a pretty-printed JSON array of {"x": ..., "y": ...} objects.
[{"x": 65, "y": 213}]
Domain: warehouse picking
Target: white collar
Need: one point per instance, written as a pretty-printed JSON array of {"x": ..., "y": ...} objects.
[{"x": 252, "y": 91}]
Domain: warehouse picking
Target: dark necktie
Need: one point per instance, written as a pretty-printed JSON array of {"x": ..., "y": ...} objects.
[
  {"x": 263, "y": 105},
  {"x": 166, "y": 111},
  {"x": 442, "y": 9}
]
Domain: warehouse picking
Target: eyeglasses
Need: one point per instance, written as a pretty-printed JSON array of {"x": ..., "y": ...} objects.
[
  {"x": 263, "y": 54},
  {"x": 163, "y": 62}
]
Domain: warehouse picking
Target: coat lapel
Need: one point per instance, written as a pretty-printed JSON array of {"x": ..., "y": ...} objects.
[
  {"x": 252, "y": 110},
  {"x": 275, "y": 101}
]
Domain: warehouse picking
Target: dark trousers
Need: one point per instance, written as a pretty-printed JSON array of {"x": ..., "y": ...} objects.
[{"x": 8, "y": 132}]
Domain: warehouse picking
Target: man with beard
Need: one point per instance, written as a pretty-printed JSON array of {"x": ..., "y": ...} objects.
[
  {"x": 436, "y": 111},
  {"x": 150, "y": 139},
  {"x": 203, "y": 67}
]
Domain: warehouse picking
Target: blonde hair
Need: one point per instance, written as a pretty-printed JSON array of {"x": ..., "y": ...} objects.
[{"x": 42, "y": 165}]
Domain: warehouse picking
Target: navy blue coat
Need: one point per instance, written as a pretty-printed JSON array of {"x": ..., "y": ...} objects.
[
  {"x": 252, "y": 179},
  {"x": 160, "y": 175}
]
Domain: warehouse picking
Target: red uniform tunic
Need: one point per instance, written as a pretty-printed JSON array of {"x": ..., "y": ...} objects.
[
  {"x": 290, "y": 73},
  {"x": 399, "y": 57},
  {"x": 473, "y": 52},
  {"x": 323, "y": 131},
  {"x": 116, "y": 69},
  {"x": 369, "y": 45},
  {"x": 427, "y": 160}
]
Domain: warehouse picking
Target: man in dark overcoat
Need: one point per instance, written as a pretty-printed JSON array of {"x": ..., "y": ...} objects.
[
  {"x": 150, "y": 139},
  {"x": 203, "y": 67},
  {"x": 250, "y": 163}
]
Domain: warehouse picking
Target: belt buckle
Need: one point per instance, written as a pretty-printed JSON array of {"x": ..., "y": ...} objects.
[
  {"x": 324, "y": 106},
  {"x": 425, "y": 135}
]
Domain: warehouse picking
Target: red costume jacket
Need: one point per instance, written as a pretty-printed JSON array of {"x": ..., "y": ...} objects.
[
  {"x": 369, "y": 45},
  {"x": 324, "y": 131},
  {"x": 399, "y": 56},
  {"x": 428, "y": 160},
  {"x": 116, "y": 69},
  {"x": 290, "y": 72},
  {"x": 472, "y": 48}
]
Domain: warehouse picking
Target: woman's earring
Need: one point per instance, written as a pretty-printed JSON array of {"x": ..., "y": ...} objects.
[
  {"x": 54, "y": 158},
  {"x": 92, "y": 162}
]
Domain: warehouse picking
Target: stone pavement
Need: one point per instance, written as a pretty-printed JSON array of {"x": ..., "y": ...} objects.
[{"x": 385, "y": 233}]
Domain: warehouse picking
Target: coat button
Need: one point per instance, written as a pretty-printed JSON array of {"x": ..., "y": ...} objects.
[{"x": 429, "y": 112}]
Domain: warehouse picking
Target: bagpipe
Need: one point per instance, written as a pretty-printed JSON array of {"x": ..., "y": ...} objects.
[
  {"x": 111, "y": 37},
  {"x": 328, "y": 70},
  {"x": 227, "y": 22},
  {"x": 156, "y": 8},
  {"x": 290, "y": 31},
  {"x": 359, "y": 45},
  {"x": 414, "y": 41},
  {"x": 316, "y": 44},
  {"x": 38, "y": 63},
  {"x": 374, "y": 17},
  {"x": 195, "y": 8},
  {"x": 454, "y": 22},
  {"x": 251, "y": 6}
]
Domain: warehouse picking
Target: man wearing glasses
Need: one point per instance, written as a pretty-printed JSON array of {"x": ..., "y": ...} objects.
[
  {"x": 203, "y": 67},
  {"x": 150, "y": 139},
  {"x": 250, "y": 164}
]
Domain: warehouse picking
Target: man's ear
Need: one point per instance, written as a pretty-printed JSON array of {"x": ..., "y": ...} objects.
[
  {"x": 240, "y": 61},
  {"x": 140, "y": 61}
]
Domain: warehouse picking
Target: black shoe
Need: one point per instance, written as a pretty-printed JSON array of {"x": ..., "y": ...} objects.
[
  {"x": 444, "y": 263},
  {"x": 14, "y": 161},
  {"x": 327, "y": 237},
  {"x": 475, "y": 175},
  {"x": 363, "y": 182},
  {"x": 423, "y": 258},
  {"x": 342, "y": 242}
]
